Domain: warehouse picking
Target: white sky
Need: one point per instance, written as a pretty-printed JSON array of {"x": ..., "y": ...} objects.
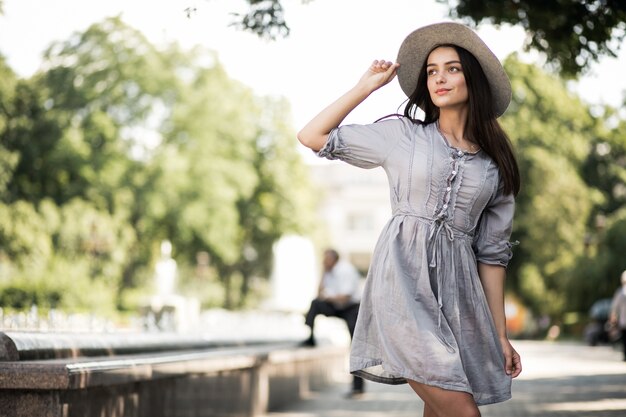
[{"x": 332, "y": 42}]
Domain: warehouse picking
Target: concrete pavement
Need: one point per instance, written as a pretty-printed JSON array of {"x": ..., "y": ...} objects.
[{"x": 558, "y": 380}]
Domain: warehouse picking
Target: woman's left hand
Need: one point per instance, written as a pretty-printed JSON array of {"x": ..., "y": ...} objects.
[
  {"x": 513, "y": 361},
  {"x": 380, "y": 73}
]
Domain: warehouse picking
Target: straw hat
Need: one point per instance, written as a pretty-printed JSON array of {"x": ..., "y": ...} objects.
[{"x": 416, "y": 47}]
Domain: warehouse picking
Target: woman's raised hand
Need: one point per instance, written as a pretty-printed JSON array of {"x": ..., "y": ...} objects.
[
  {"x": 381, "y": 72},
  {"x": 315, "y": 133}
]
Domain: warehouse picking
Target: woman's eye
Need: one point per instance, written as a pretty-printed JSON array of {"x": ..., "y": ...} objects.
[
  {"x": 454, "y": 69},
  {"x": 431, "y": 72}
]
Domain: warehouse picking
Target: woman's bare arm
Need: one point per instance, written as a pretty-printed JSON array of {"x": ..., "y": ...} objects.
[
  {"x": 315, "y": 133},
  {"x": 492, "y": 278}
]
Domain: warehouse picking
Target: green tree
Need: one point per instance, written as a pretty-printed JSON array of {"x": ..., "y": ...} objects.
[
  {"x": 605, "y": 165},
  {"x": 75, "y": 124},
  {"x": 264, "y": 18},
  {"x": 571, "y": 33},
  {"x": 281, "y": 201},
  {"x": 116, "y": 146},
  {"x": 598, "y": 271},
  {"x": 74, "y": 127},
  {"x": 8, "y": 159},
  {"x": 204, "y": 168},
  {"x": 551, "y": 130},
  {"x": 230, "y": 180},
  {"x": 570, "y": 218}
]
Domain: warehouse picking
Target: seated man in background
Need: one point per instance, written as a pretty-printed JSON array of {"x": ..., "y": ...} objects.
[{"x": 338, "y": 295}]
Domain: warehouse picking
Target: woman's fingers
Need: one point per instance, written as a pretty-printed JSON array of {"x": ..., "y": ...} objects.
[
  {"x": 508, "y": 362},
  {"x": 517, "y": 364},
  {"x": 382, "y": 65},
  {"x": 378, "y": 74},
  {"x": 513, "y": 364},
  {"x": 512, "y": 359}
]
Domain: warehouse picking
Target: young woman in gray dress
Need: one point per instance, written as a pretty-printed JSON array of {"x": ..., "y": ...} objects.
[{"x": 432, "y": 312}]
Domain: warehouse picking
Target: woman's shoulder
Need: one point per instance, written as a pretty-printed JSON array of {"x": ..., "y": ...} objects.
[
  {"x": 405, "y": 123},
  {"x": 398, "y": 118}
]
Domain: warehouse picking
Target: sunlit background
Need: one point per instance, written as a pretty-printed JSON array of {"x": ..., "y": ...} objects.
[{"x": 196, "y": 147}]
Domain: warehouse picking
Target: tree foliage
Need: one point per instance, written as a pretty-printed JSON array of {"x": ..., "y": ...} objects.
[
  {"x": 566, "y": 184},
  {"x": 115, "y": 146},
  {"x": 605, "y": 167},
  {"x": 571, "y": 33},
  {"x": 598, "y": 271},
  {"x": 264, "y": 18}
]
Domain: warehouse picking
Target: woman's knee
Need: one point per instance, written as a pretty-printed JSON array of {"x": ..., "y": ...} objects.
[
  {"x": 454, "y": 413},
  {"x": 445, "y": 403},
  {"x": 475, "y": 412}
]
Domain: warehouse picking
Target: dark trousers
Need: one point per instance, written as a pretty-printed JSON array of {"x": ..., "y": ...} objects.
[{"x": 349, "y": 314}]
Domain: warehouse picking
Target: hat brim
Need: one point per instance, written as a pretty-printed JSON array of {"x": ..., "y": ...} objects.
[{"x": 416, "y": 47}]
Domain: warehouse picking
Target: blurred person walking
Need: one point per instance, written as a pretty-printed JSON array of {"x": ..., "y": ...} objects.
[{"x": 617, "y": 317}]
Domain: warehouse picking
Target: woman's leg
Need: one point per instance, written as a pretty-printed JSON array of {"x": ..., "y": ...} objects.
[
  {"x": 428, "y": 412},
  {"x": 445, "y": 403}
]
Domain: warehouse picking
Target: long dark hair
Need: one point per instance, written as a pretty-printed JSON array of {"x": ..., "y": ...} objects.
[{"x": 482, "y": 126}]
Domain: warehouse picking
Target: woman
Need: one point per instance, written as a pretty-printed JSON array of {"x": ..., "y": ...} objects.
[{"x": 432, "y": 312}]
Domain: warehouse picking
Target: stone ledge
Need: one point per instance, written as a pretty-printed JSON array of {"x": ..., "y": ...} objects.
[
  {"x": 84, "y": 372},
  {"x": 236, "y": 381},
  {"x": 29, "y": 346}
]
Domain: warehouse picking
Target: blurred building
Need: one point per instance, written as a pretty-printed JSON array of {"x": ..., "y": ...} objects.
[{"x": 354, "y": 207}]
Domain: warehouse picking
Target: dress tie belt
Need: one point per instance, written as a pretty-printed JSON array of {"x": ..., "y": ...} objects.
[{"x": 436, "y": 225}]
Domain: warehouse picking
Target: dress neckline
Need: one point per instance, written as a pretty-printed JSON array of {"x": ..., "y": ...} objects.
[{"x": 447, "y": 143}]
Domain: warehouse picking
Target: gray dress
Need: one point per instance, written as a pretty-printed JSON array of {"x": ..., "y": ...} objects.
[{"x": 424, "y": 315}]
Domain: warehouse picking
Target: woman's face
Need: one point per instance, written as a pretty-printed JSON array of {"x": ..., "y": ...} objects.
[{"x": 445, "y": 79}]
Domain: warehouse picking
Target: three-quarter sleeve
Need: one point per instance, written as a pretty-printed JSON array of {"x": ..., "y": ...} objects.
[
  {"x": 365, "y": 146},
  {"x": 491, "y": 241}
]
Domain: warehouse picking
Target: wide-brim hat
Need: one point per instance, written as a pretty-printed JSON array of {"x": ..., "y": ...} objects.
[{"x": 418, "y": 45}]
